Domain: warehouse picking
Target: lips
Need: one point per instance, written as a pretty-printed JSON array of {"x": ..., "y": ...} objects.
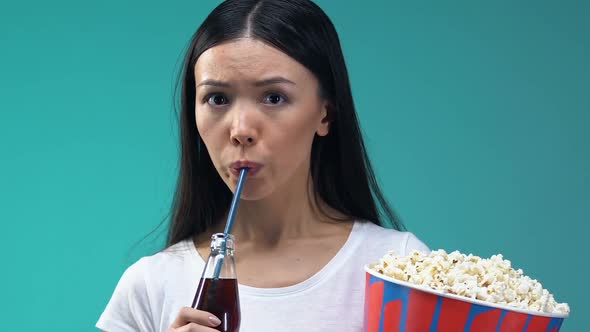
[{"x": 253, "y": 167}]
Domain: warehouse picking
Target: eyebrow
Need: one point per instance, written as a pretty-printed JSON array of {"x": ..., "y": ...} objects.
[
  {"x": 268, "y": 81},
  {"x": 273, "y": 80}
]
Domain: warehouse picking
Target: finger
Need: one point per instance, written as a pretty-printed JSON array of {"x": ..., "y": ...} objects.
[
  {"x": 188, "y": 315},
  {"x": 194, "y": 327}
]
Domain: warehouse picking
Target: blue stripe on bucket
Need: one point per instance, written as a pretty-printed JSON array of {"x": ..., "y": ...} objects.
[
  {"x": 473, "y": 312},
  {"x": 555, "y": 323},
  {"x": 504, "y": 312},
  {"x": 526, "y": 324},
  {"x": 436, "y": 317},
  {"x": 393, "y": 292}
]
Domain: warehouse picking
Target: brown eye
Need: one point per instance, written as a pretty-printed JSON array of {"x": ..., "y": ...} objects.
[
  {"x": 217, "y": 100},
  {"x": 274, "y": 99}
]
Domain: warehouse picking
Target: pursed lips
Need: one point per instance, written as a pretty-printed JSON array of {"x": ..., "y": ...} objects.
[{"x": 253, "y": 167}]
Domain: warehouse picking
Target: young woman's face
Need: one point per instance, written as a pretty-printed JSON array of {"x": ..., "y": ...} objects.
[{"x": 257, "y": 107}]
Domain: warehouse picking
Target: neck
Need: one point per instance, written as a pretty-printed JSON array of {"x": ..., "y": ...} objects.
[{"x": 290, "y": 212}]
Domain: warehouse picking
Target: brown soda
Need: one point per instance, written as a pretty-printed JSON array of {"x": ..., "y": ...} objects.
[{"x": 219, "y": 296}]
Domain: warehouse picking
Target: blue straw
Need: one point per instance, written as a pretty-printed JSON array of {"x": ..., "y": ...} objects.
[
  {"x": 234, "y": 204},
  {"x": 232, "y": 215}
]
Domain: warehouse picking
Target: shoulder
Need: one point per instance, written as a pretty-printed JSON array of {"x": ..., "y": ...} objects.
[
  {"x": 140, "y": 290},
  {"x": 149, "y": 267},
  {"x": 386, "y": 239}
]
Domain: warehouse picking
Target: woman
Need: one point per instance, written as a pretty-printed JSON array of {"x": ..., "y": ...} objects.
[{"x": 265, "y": 86}]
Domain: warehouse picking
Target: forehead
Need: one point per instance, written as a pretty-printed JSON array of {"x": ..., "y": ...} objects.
[{"x": 247, "y": 59}]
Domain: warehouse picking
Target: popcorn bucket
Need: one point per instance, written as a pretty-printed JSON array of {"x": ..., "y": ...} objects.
[{"x": 396, "y": 306}]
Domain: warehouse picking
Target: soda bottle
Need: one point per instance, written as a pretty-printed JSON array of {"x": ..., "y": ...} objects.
[{"x": 217, "y": 292}]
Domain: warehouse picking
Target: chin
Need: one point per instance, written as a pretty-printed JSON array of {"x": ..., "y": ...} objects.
[
  {"x": 253, "y": 190},
  {"x": 254, "y": 194}
]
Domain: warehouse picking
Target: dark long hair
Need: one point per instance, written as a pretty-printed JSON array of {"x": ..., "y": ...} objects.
[{"x": 340, "y": 168}]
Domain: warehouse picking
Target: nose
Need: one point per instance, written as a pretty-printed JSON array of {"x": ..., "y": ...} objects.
[
  {"x": 244, "y": 140},
  {"x": 243, "y": 131}
]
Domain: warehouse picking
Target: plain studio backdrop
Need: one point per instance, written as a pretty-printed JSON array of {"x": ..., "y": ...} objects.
[{"x": 476, "y": 116}]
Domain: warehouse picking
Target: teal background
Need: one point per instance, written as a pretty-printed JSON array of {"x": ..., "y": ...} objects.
[{"x": 476, "y": 116}]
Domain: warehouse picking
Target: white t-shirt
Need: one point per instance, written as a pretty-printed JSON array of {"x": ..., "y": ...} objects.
[{"x": 152, "y": 291}]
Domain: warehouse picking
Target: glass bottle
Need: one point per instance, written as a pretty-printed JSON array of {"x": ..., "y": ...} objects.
[{"x": 218, "y": 288}]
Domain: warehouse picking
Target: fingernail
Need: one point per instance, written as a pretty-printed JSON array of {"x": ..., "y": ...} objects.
[{"x": 214, "y": 320}]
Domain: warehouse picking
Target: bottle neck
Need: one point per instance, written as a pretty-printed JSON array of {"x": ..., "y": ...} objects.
[
  {"x": 222, "y": 243},
  {"x": 221, "y": 251},
  {"x": 221, "y": 262}
]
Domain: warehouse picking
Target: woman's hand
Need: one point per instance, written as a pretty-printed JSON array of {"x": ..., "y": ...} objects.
[{"x": 193, "y": 320}]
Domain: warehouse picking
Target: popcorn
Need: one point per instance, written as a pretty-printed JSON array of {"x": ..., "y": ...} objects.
[{"x": 492, "y": 280}]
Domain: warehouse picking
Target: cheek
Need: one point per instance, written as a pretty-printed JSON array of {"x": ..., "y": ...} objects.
[
  {"x": 206, "y": 125},
  {"x": 209, "y": 132},
  {"x": 199, "y": 121},
  {"x": 292, "y": 141}
]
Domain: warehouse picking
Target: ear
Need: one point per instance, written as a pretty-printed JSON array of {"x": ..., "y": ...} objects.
[{"x": 324, "y": 125}]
